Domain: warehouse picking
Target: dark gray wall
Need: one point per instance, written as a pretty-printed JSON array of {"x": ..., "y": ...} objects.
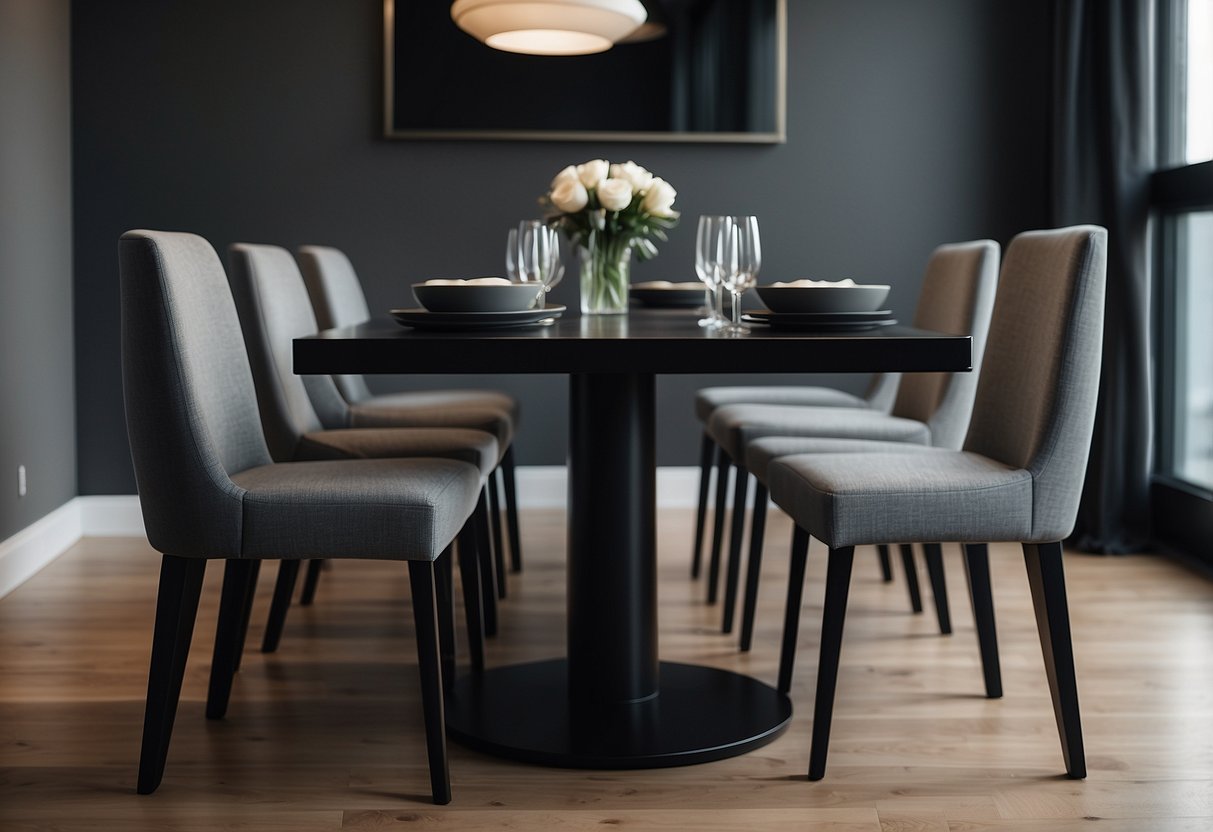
[
  {"x": 37, "y": 421},
  {"x": 909, "y": 124}
]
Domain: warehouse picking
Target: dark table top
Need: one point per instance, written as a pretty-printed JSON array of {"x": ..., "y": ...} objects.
[{"x": 646, "y": 341}]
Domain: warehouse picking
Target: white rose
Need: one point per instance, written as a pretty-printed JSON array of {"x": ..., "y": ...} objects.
[
  {"x": 634, "y": 173},
  {"x": 614, "y": 194},
  {"x": 659, "y": 199},
  {"x": 569, "y": 196},
  {"x": 593, "y": 172},
  {"x": 569, "y": 174}
]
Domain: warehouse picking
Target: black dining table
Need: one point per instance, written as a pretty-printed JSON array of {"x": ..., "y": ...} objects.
[{"x": 611, "y": 703}]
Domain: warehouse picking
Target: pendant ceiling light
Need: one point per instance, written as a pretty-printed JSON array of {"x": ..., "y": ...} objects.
[
  {"x": 548, "y": 27},
  {"x": 653, "y": 28}
]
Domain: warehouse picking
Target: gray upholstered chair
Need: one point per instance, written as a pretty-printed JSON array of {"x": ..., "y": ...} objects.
[
  {"x": 209, "y": 489},
  {"x": 929, "y": 409},
  {"x": 882, "y": 389},
  {"x": 338, "y": 301},
  {"x": 274, "y": 310},
  {"x": 1018, "y": 478}
]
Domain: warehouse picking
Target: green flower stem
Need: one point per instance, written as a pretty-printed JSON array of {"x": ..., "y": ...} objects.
[{"x": 606, "y": 264}]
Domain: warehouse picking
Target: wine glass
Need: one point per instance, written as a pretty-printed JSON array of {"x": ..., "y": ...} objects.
[
  {"x": 511, "y": 256},
  {"x": 708, "y": 242},
  {"x": 538, "y": 254},
  {"x": 741, "y": 261}
]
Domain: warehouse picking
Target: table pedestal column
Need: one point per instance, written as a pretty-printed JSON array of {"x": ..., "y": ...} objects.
[{"x": 612, "y": 704}]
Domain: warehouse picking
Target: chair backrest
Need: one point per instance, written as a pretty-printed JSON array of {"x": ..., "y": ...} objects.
[
  {"x": 274, "y": 310},
  {"x": 957, "y": 297},
  {"x": 1039, "y": 383},
  {"x": 191, "y": 410},
  {"x": 882, "y": 391},
  {"x": 338, "y": 300}
]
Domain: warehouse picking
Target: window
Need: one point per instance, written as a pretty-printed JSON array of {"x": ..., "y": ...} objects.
[{"x": 1182, "y": 197}]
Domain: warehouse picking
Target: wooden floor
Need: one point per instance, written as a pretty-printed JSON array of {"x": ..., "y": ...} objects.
[{"x": 326, "y": 734}]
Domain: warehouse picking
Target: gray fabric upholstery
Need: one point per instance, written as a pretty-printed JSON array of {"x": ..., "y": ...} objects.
[
  {"x": 274, "y": 310},
  {"x": 957, "y": 298},
  {"x": 191, "y": 410},
  {"x": 416, "y": 405},
  {"x": 398, "y": 509},
  {"x": 710, "y": 398},
  {"x": 207, "y": 486},
  {"x": 760, "y": 453},
  {"x": 1037, "y": 393},
  {"x": 337, "y": 300},
  {"x": 472, "y": 446},
  {"x": 1020, "y": 475},
  {"x": 849, "y": 499},
  {"x": 388, "y": 411},
  {"x": 734, "y": 426}
]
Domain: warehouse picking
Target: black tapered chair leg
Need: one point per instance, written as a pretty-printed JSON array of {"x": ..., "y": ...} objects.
[
  {"x": 791, "y": 614},
  {"x": 977, "y": 574},
  {"x": 933, "y": 553},
  {"x": 473, "y": 599},
  {"x": 907, "y": 561},
  {"x": 229, "y": 639},
  {"x": 886, "y": 563},
  {"x": 701, "y": 514},
  {"x": 1047, "y": 579},
  {"x": 284, "y": 588},
  {"x": 488, "y": 578},
  {"x": 758, "y": 522},
  {"x": 429, "y": 661},
  {"x": 736, "y": 533},
  {"x": 443, "y": 580},
  {"x": 495, "y": 533},
  {"x": 247, "y": 613},
  {"x": 510, "y": 482},
  {"x": 310, "y": 579},
  {"x": 723, "y": 466},
  {"x": 838, "y": 586},
  {"x": 176, "y": 608}
]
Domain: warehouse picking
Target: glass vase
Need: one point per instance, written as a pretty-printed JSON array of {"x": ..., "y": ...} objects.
[{"x": 606, "y": 267}]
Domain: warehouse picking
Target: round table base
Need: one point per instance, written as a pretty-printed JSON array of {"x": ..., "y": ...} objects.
[{"x": 702, "y": 714}]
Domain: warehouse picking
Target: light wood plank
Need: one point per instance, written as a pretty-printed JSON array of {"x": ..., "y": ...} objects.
[{"x": 326, "y": 734}]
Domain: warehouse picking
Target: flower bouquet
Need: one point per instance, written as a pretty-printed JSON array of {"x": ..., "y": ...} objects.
[{"x": 608, "y": 211}]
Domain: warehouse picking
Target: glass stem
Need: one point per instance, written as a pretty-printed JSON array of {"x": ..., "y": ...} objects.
[
  {"x": 736, "y": 295},
  {"x": 718, "y": 303}
]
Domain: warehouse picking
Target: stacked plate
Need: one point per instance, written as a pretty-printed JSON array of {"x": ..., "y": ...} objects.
[
  {"x": 480, "y": 303},
  {"x": 666, "y": 295},
  {"x": 821, "y": 321},
  {"x": 822, "y": 306}
]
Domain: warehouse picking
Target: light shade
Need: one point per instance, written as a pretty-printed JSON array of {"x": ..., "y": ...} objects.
[
  {"x": 548, "y": 27},
  {"x": 653, "y": 28}
]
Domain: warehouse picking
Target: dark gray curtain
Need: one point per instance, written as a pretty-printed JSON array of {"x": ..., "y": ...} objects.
[{"x": 1104, "y": 132}]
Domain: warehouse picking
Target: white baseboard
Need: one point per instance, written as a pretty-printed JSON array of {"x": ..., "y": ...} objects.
[
  {"x": 546, "y": 486},
  {"x": 35, "y": 546},
  {"x": 26, "y": 552}
]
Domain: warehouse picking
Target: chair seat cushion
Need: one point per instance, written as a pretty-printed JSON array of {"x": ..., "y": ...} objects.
[
  {"x": 761, "y": 452},
  {"x": 937, "y": 496},
  {"x": 710, "y": 398},
  {"x": 736, "y": 425},
  {"x": 396, "y": 509},
  {"x": 475, "y": 447},
  {"x": 484, "y": 410}
]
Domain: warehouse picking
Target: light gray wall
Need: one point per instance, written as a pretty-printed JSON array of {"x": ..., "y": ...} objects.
[
  {"x": 909, "y": 124},
  {"x": 37, "y": 419}
]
